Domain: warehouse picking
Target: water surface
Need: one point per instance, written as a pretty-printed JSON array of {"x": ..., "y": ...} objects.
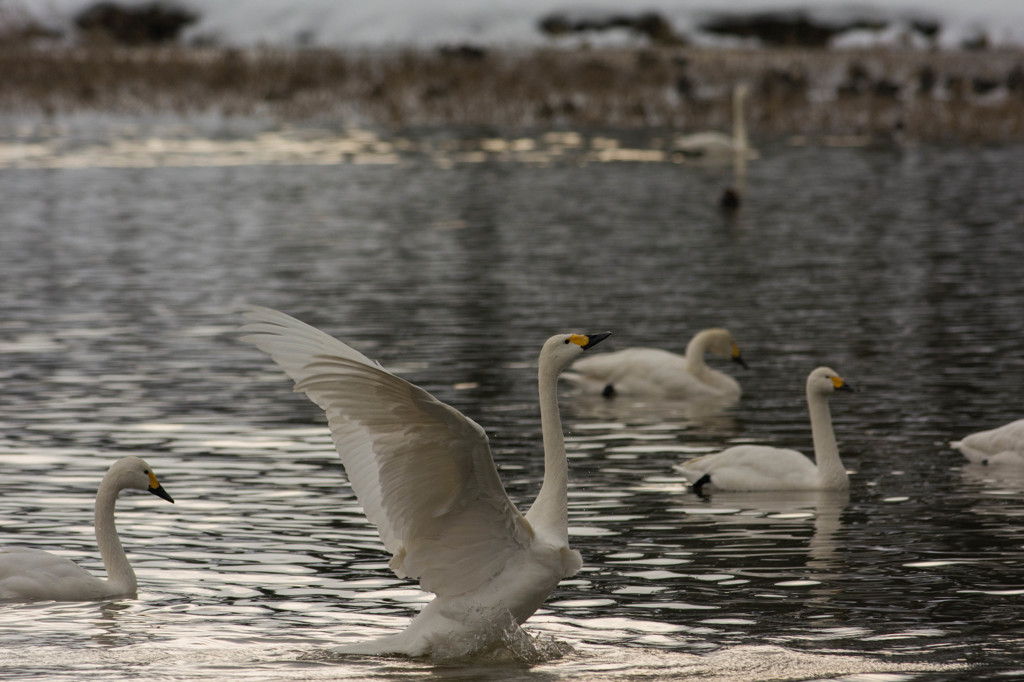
[{"x": 121, "y": 284}]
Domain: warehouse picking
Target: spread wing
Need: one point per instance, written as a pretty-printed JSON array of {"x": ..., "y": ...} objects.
[{"x": 422, "y": 471}]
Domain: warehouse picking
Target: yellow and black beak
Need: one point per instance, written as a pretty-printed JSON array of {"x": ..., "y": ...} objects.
[
  {"x": 737, "y": 358},
  {"x": 841, "y": 385},
  {"x": 157, "y": 489},
  {"x": 594, "y": 339}
]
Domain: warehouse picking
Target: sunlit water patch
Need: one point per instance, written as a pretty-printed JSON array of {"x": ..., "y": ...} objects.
[{"x": 127, "y": 146}]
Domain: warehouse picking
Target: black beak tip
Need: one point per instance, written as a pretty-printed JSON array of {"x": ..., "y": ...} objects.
[
  {"x": 161, "y": 493},
  {"x": 741, "y": 362},
  {"x": 594, "y": 339}
]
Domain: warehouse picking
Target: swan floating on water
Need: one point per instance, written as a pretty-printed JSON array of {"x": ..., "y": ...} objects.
[
  {"x": 656, "y": 373},
  {"x": 33, "y": 575},
  {"x": 999, "y": 446},
  {"x": 762, "y": 467},
  {"x": 424, "y": 475},
  {"x": 717, "y": 147}
]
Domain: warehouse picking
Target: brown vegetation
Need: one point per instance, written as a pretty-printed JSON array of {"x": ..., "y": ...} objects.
[{"x": 930, "y": 96}]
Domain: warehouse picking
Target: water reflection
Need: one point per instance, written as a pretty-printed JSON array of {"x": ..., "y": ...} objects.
[
  {"x": 707, "y": 414},
  {"x": 994, "y": 479}
]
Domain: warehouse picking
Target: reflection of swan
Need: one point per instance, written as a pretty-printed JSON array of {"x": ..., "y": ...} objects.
[
  {"x": 1004, "y": 445},
  {"x": 761, "y": 467},
  {"x": 657, "y": 373},
  {"x": 773, "y": 510},
  {"x": 424, "y": 475},
  {"x": 823, "y": 549},
  {"x": 718, "y": 147},
  {"x": 1000, "y": 477},
  {"x": 32, "y": 574},
  {"x": 709, "y": 416}
]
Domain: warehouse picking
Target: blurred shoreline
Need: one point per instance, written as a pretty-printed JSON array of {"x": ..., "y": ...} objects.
[{"x": 878, "y": 96}]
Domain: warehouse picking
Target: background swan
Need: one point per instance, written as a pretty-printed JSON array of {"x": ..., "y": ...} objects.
[
  {"x": 1003, "y": 445},
  {"x": 761, "y": 467},
  {"x": 425, "y": 477},
  {"x": 656, "y": 373},
  {"x": 32, "y": 574},
  {"x": 713, "y": 146}
]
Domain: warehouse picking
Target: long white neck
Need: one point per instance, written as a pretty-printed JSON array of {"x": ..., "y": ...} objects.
[
  {"x": 739, "y": 124},
  {"x": 831, "y": 471},
  {"x": 550, "y": 511},
  {"x": 120, "y": 576},
  {"x": 695, "y": 352}
]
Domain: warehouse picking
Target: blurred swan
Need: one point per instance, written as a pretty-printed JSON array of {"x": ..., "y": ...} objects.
[
  {"x": 716, "y": 147},
  {"x": 762, "y": 467},
  {"x": 1003, "y": 445},
  {"x": 424, "y": 475},
  {"x": 32, "y": 574},
  {"x": 656, "y": 373}
]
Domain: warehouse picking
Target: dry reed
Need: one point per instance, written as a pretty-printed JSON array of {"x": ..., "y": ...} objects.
[{"x": 928, "y": 96}]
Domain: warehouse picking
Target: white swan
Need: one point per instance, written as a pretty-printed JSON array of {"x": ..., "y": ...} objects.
[
  {"x": 656, "y": 373},
  {"x": 716, "y": 147},
  {"x": 425, "y": 478},
  {"x": 762, "y": 467},
  {"x": 1003, "y": 445},
  {"x": 32, "y": 574}
]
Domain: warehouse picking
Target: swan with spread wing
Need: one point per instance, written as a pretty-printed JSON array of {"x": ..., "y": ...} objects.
[{"x": 424, "y": 475}]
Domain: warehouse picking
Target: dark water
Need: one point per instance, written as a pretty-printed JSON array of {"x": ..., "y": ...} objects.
[{"x": 120, "y": 288}]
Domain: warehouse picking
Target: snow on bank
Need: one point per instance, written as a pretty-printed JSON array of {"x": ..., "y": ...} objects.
[{"x": 332, "y": 23}]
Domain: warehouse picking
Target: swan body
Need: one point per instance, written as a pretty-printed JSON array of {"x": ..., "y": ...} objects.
[
  {"x": 761, "y": 467},
  {"x": 656, "y": 373},
  {"x": 999, "y": 446},
  {"x": 33, "y": 575},
  {"x": 424, "y": 475},
  {"x": 717, "y": 147},
  {"x": 707, "y": 145}
]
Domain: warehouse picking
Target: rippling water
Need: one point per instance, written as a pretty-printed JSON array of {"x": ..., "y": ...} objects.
[{"x": 120, "y": 288}]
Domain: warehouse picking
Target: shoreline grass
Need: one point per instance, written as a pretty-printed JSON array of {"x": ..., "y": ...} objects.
[{"x": 926, "y": 96}]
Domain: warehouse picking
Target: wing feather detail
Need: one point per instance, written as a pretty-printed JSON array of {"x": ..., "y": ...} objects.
[{"x": 422, "y": 471}]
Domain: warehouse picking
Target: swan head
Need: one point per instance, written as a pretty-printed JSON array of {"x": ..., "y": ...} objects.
[
  {"x": 561, "y": 349},
  {"x": 826, "y": 380},
  {"x": 136, "y": 474},
  {"x": 720, "y": 342}
]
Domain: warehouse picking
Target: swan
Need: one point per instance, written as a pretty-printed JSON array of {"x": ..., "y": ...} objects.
[
  {"x": 716, "y": 147},
  {"x": 762, "y": 467},
  {"x": 1003, "y": 445},
  {"x": 657, "y": 373},
  {"x": 424, "y": 475},
  {"x": 32, "y": 574}
]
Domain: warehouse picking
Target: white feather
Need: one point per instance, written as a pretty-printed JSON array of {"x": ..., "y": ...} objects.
[
  {"x": 761, "y": 467},
  {"x": 1000, "y": 446},
  {"x": 716, "y": 147},
  {"x": 657, "y": 373},
  {"x": 425, "y": 477},
  {"x": 32, "y": 574}
]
